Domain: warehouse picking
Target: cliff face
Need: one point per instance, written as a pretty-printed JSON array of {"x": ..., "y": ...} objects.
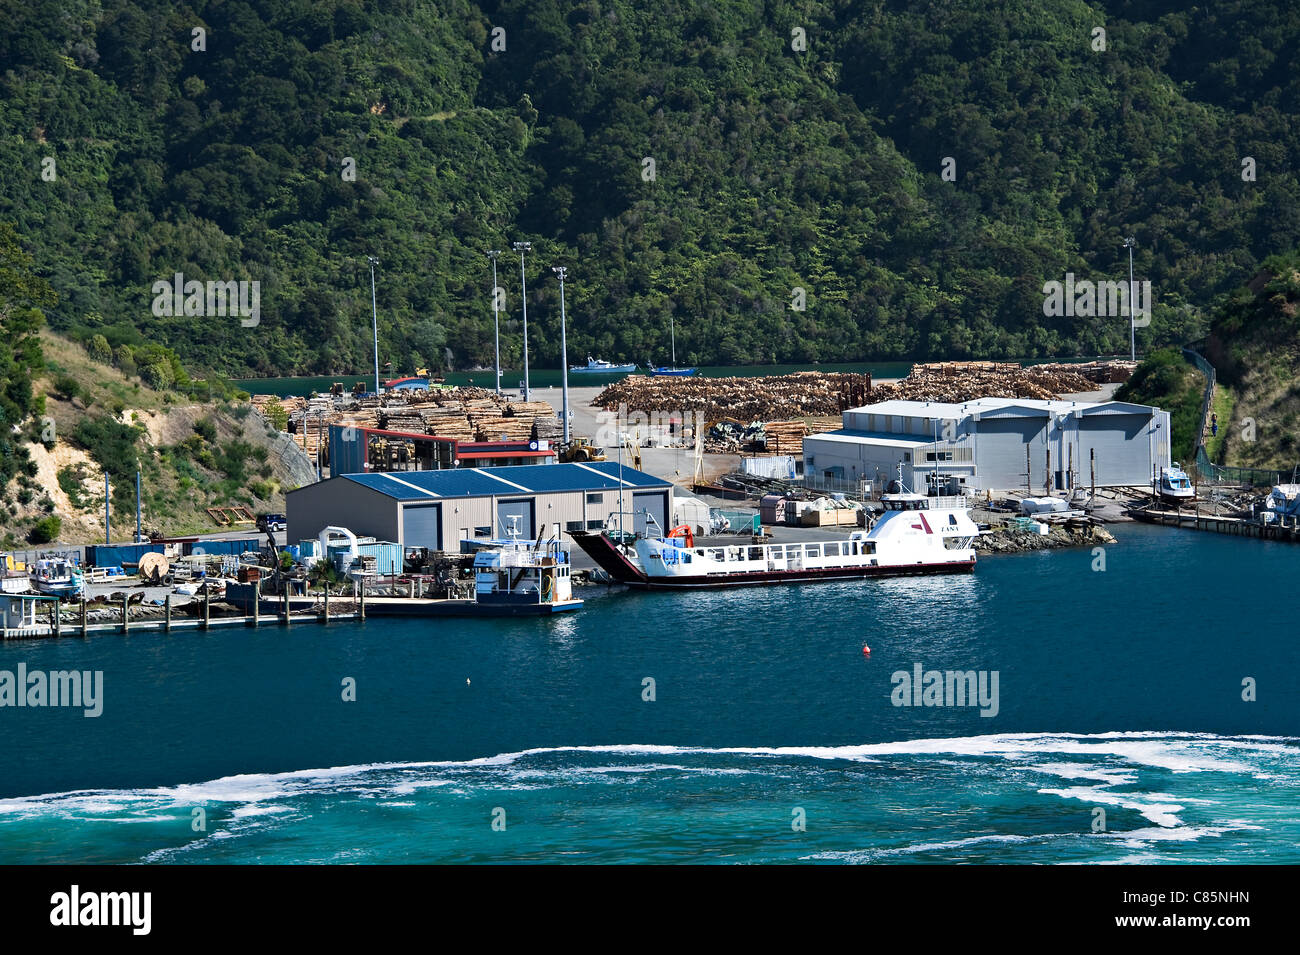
[
  {"x": 1254, "y": 345},
  {"x": 191, "y": 456}
]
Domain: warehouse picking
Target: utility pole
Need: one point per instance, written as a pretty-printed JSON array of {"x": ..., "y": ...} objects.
[
  {"x": 521, "y": 248},
  {"x": 564, "y": 357},
  {"x": 1129, "y": 243},
  {"x": 374, "y": 313},
  {"x": 496, "y": 316}
]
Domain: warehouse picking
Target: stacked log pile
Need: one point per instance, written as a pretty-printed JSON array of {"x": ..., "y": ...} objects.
[
  {"x": 1030, "y": 382},
  {"x": 463, "y": 414},
  {"x": 951, "y": 368},
  {"x": 825, "y": 395},
  {"x": 745, "y": 399},
  {"x": 785, "y": 437},
  {"x": 794, "y": 406},
  {"x": 1098, "y": 372}
]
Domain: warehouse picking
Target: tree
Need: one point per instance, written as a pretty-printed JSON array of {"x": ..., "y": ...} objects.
[{"x": 100, "y": 350}]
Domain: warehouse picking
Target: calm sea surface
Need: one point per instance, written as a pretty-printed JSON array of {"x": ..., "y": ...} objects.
[{"x": 771, "y": 737}]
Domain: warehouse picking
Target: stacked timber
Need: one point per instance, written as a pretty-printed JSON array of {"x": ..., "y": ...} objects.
[
  {"x": 495, "y": 427},
  {"x": 529, "y": 409},
  {"x": 1098, "y": 372},
  {"x": 785, "y": 437},
  {"x": 1024, "y": 383},
  {"x": 950, "y": 368},
  {"x": 747, "y": 399}
]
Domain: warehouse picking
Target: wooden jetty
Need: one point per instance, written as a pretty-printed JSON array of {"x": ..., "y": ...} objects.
[
  {"x": 1237, "y": 526},
  {"x": 25, "y": 616}
]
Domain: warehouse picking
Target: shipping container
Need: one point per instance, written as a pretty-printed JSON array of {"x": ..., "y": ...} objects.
[
  {"x": 118, "y": 555},
  {"x": 388, "y": 556}
]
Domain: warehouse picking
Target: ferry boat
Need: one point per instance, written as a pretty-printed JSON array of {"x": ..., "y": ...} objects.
[
  {"x": 1175, "y": 486},
  {"x": 57, "y": 577},
  {"x": 916, "y": 534},
  {"x": 595, "y": 366}
]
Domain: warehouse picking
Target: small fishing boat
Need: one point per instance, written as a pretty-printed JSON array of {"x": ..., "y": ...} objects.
[
  {"x": 511, "y": 577},
  {"x": 595, "y": 366},
  {"x": 916, "y": 534},
  {"x": 57, "y": 577},
  {"x": 1175, "y": 486}
]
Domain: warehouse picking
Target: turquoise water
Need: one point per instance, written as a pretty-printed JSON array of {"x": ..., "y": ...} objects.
[{"x": 1118, "y": 690}]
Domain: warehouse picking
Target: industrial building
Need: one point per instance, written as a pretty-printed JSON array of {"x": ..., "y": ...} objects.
[
  {"x": 358, "y": 450},
  {"x": 437, "y": 509},
  {"x": 991, "y": 444}
]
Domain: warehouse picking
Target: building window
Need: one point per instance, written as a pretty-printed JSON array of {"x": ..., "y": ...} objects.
[
  {"x": 572, "y": 526},
  {"x": 596, "y": 498},
  {"x": 595, "y": 525},
  {"x": 483, "y": 531}
]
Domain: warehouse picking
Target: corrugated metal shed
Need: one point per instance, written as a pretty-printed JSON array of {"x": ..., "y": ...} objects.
[{"x": 481, "y": 482}]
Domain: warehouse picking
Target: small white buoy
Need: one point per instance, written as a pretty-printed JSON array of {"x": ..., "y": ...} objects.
[{"x": 467, "y": 681}]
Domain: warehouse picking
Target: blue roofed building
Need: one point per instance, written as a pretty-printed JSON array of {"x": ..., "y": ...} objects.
[{"x": 437, "y": 509}]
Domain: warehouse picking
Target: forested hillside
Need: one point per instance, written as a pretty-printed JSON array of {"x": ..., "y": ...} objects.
[{"x": 794, "y": 145}]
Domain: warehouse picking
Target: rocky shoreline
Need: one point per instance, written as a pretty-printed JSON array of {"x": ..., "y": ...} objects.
[{"x": 1006, "y": 540}]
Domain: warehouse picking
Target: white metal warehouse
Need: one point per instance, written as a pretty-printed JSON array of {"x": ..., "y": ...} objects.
[
  {"x": 437, "y": 509},
  {"x": 991, "y": 444}
]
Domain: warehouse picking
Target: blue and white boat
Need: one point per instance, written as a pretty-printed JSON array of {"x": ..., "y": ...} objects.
[
  {"x": 595, "y": 366},
  {"x": 1175, "y": 486},
  {"x": 670, "y": 371},
  {"x": 57, "y": 577}
]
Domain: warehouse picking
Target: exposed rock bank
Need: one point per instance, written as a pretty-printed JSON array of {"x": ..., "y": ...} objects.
[{"x": 1008, "y": 541}]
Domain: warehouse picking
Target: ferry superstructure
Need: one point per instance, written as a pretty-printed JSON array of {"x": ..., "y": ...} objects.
[{"x": 916, "y": 534}]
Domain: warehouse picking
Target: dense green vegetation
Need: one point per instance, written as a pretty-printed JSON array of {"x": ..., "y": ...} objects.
[
  {"x": 1254, "y": 344},
  {"x": 775, "y": 168},
  {"x": 22, "y": 295},
  {"x": 1166, "y": 380}
]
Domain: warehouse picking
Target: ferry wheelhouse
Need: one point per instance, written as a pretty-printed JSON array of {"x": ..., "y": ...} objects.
[{"x": 916, "y": 534}]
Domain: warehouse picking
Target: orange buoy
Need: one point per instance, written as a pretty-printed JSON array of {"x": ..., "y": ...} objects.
[{"x": 866, "y": 651}]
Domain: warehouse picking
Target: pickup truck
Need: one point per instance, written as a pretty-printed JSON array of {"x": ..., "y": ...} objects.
[{"x": 272, "y": 522}]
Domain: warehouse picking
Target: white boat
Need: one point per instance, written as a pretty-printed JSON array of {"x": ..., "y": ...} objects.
[
  {"x": 595, "y": 366},
  {"x": 57, "y": 577},
  {"x": 1175, "y": 485},
  {"x": 916, "y": 534},
  {"x": 15, "y": 582}
]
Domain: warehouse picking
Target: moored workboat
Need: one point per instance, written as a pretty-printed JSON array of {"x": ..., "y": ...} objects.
[
  {"x": 916, "y": 534},
  {"x": 1175, "y": 486},
  {"x": 57, "y": 577},
  {"x": 511, "y": 577},
  {"x": 595, "y": 366}
]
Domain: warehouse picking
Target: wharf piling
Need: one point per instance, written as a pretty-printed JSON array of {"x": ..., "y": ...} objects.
[{"x": 1235, "y": 526}]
